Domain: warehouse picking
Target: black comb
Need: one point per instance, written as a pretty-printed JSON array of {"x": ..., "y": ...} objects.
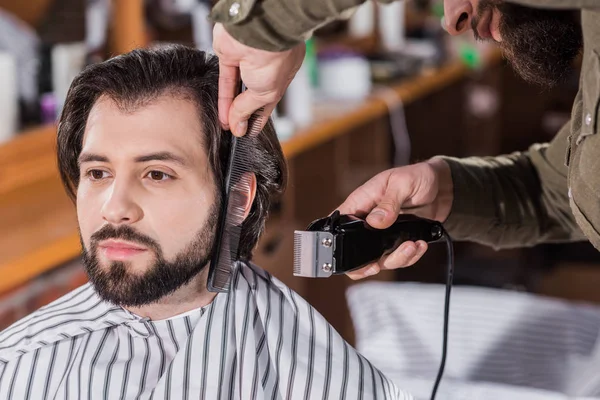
[{"x": 235, "y": 196}]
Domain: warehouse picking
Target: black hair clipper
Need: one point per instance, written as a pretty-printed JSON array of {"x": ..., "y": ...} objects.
[{"x": 342, "y": 243}]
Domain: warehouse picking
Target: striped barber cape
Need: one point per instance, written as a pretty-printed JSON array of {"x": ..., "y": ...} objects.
[{"x": 260, "y": 341}]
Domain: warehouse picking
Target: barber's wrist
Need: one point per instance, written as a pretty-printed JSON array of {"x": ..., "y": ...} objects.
[
  {"x": 257, "y": 34},
  {"x": 260, "y": 24},
  {"x": 445, "y": 195}
]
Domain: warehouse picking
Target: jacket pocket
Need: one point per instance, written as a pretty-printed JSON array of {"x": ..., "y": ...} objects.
[
  {"x": 588, "y": 141},
  {"x": 232, "y": 11},
  {"x": 591, "y": 97}
]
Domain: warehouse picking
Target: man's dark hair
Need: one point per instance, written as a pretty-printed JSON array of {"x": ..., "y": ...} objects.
[{"x": 137, "y": 78}]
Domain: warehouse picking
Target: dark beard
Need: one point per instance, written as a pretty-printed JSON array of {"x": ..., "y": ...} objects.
[
  {"x": 540, "y": 44},
  {"x": 116, "y": 285}
]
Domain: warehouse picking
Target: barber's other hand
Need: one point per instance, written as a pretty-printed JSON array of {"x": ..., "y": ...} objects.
[
  {"x": 266, "y": 76},
  {"x": 424, "y": 189}
]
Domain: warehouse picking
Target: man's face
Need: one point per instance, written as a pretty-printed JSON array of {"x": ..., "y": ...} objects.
[
  {"x": 146, "y": 201},
  {"x": 540, "y": 44}
]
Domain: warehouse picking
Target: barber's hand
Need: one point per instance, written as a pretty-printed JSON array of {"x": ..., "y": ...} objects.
[
  {"x": 266, "y": 76},
  {"x": 424, "y": 189}
]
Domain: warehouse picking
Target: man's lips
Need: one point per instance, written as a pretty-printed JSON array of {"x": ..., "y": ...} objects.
[{"x": 120, "y": 250}]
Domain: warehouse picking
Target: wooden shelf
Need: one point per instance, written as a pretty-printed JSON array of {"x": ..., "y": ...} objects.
[
  {"x": 31, "y": 11},
  {"x": 408, "y": 91},
  {"x": 38, "y": 226},
  {"x": 128, "y": 26},
  {"x": 27, "y": 158}
]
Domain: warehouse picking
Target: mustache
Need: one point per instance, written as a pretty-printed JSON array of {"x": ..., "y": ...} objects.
[
  {"x": 483, "y": 6},
  {"x": 123, "y": 232}
]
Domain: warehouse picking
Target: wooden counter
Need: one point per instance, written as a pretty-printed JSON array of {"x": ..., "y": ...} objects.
[{"x": 38, "y": 226}]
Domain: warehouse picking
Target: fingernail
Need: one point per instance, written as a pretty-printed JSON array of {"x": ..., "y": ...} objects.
[
  {"x": 241, "y": 128},
  {"x": 371, "y": 271},
  {"x": 409, "y": 251},
  {"x": 378, "y": 214}
]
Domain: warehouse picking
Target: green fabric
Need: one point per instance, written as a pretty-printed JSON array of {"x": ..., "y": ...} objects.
[
  {"x": 515, "y": 200},
  {"x": 564, "y": 4},
  {"x": 277, "y": 25},
  {"x": 549, "y": 193}
]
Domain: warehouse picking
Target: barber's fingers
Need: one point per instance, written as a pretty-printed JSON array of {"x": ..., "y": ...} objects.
[
  {"x": 369, "y": 270},
  {"x": 364, "y": 198},
  {"x": 248, "y": 103},
  {"x": 381, "y": 198},
  {"x": 397, "y": 192},
  {"x": 360, "y": 201},
  {"x": 407, "y": 254},
  {"x": 229, "y": 82}
]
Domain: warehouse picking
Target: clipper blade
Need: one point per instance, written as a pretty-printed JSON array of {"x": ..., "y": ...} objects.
[
  {"x": 313, "y": 254},
  {"x": 298, "y": 253}
]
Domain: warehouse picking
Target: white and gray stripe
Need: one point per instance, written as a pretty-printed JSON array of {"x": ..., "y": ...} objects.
[
  {"x": 496, "y": 336},
  {"x": 260, "y": 341}
]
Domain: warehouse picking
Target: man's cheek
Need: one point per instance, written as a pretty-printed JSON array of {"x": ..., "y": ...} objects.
[{"x": 89, "y": 222}]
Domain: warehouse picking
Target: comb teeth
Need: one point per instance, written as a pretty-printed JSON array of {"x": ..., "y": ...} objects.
[
  {"x": 237, "y": 187},
  {"x": 297, "y": 253},
  {"x": 255, "y": 122},
  {"x": 227, "y": 239}
]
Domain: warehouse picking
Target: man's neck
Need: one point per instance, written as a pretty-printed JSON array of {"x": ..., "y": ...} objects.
[{"x": 189, "y": 297}]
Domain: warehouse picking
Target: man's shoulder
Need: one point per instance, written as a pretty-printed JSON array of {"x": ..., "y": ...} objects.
[
  {"x": 61, "y": 319},
  {"x": 295, "y": 328},
  {"x": 249, "y": 276}
]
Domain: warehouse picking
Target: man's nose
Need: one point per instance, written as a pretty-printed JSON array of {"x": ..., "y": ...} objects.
[
  {"x": 119, "y": 207},
  {"x": 457, "y": 16}
]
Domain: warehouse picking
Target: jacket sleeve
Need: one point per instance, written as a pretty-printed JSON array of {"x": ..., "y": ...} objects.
[
  {"x": 277, "y": 25},
  {"x": 515, "y": 200}
]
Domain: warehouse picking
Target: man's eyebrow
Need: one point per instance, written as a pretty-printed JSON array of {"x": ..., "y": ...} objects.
[
  {"x": 162, "y": 156},
  {"x": 91, "y": 157}
]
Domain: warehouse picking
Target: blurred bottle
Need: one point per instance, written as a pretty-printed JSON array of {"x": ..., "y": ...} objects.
[
  {"x": 202, "y": 25},
  {"x": 68, "y": 60},
  {"x": 391, "y": 25},
  {"x": 97, "y": 15},
  {"x": 344, "y": 75},
  {"x": 298, "y": 98},
  {"x": 9, "y": 106},
  {"x": 21, "y": 42},
  {"x": 362, "y": 23}
]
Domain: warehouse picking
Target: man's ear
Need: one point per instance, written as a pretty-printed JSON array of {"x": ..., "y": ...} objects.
[{"x": 243, "y": 196}]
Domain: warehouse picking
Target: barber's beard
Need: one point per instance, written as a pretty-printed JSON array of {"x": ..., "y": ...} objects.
[
  {"x": 116, "y": 284},
  {"x": 540, "y": 44}
]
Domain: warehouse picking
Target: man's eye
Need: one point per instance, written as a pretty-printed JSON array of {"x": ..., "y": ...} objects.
[
  {"x": 96, "y": 174},
  {"x": 159, "y": 176}
]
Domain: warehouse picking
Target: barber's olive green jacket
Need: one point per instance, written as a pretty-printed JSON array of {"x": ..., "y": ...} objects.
[{"x": 550, "y": 193}]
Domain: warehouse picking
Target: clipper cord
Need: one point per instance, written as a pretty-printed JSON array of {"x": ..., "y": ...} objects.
[{"x": 449, "y": 277}]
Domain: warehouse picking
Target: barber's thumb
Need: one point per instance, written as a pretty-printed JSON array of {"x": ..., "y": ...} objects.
[
  {"x": 383, "y": 215},
  {"x": 256, "y": 122},
  {"x": 241, "y": 114}
]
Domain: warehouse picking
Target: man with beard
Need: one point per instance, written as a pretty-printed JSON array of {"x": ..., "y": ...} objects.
[
  {"x": 549, "y": 193},
  {"x": 141, "y": 152}
]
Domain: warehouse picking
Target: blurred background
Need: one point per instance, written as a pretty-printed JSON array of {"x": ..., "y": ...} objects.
[{"x": 386, "y": 87}]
